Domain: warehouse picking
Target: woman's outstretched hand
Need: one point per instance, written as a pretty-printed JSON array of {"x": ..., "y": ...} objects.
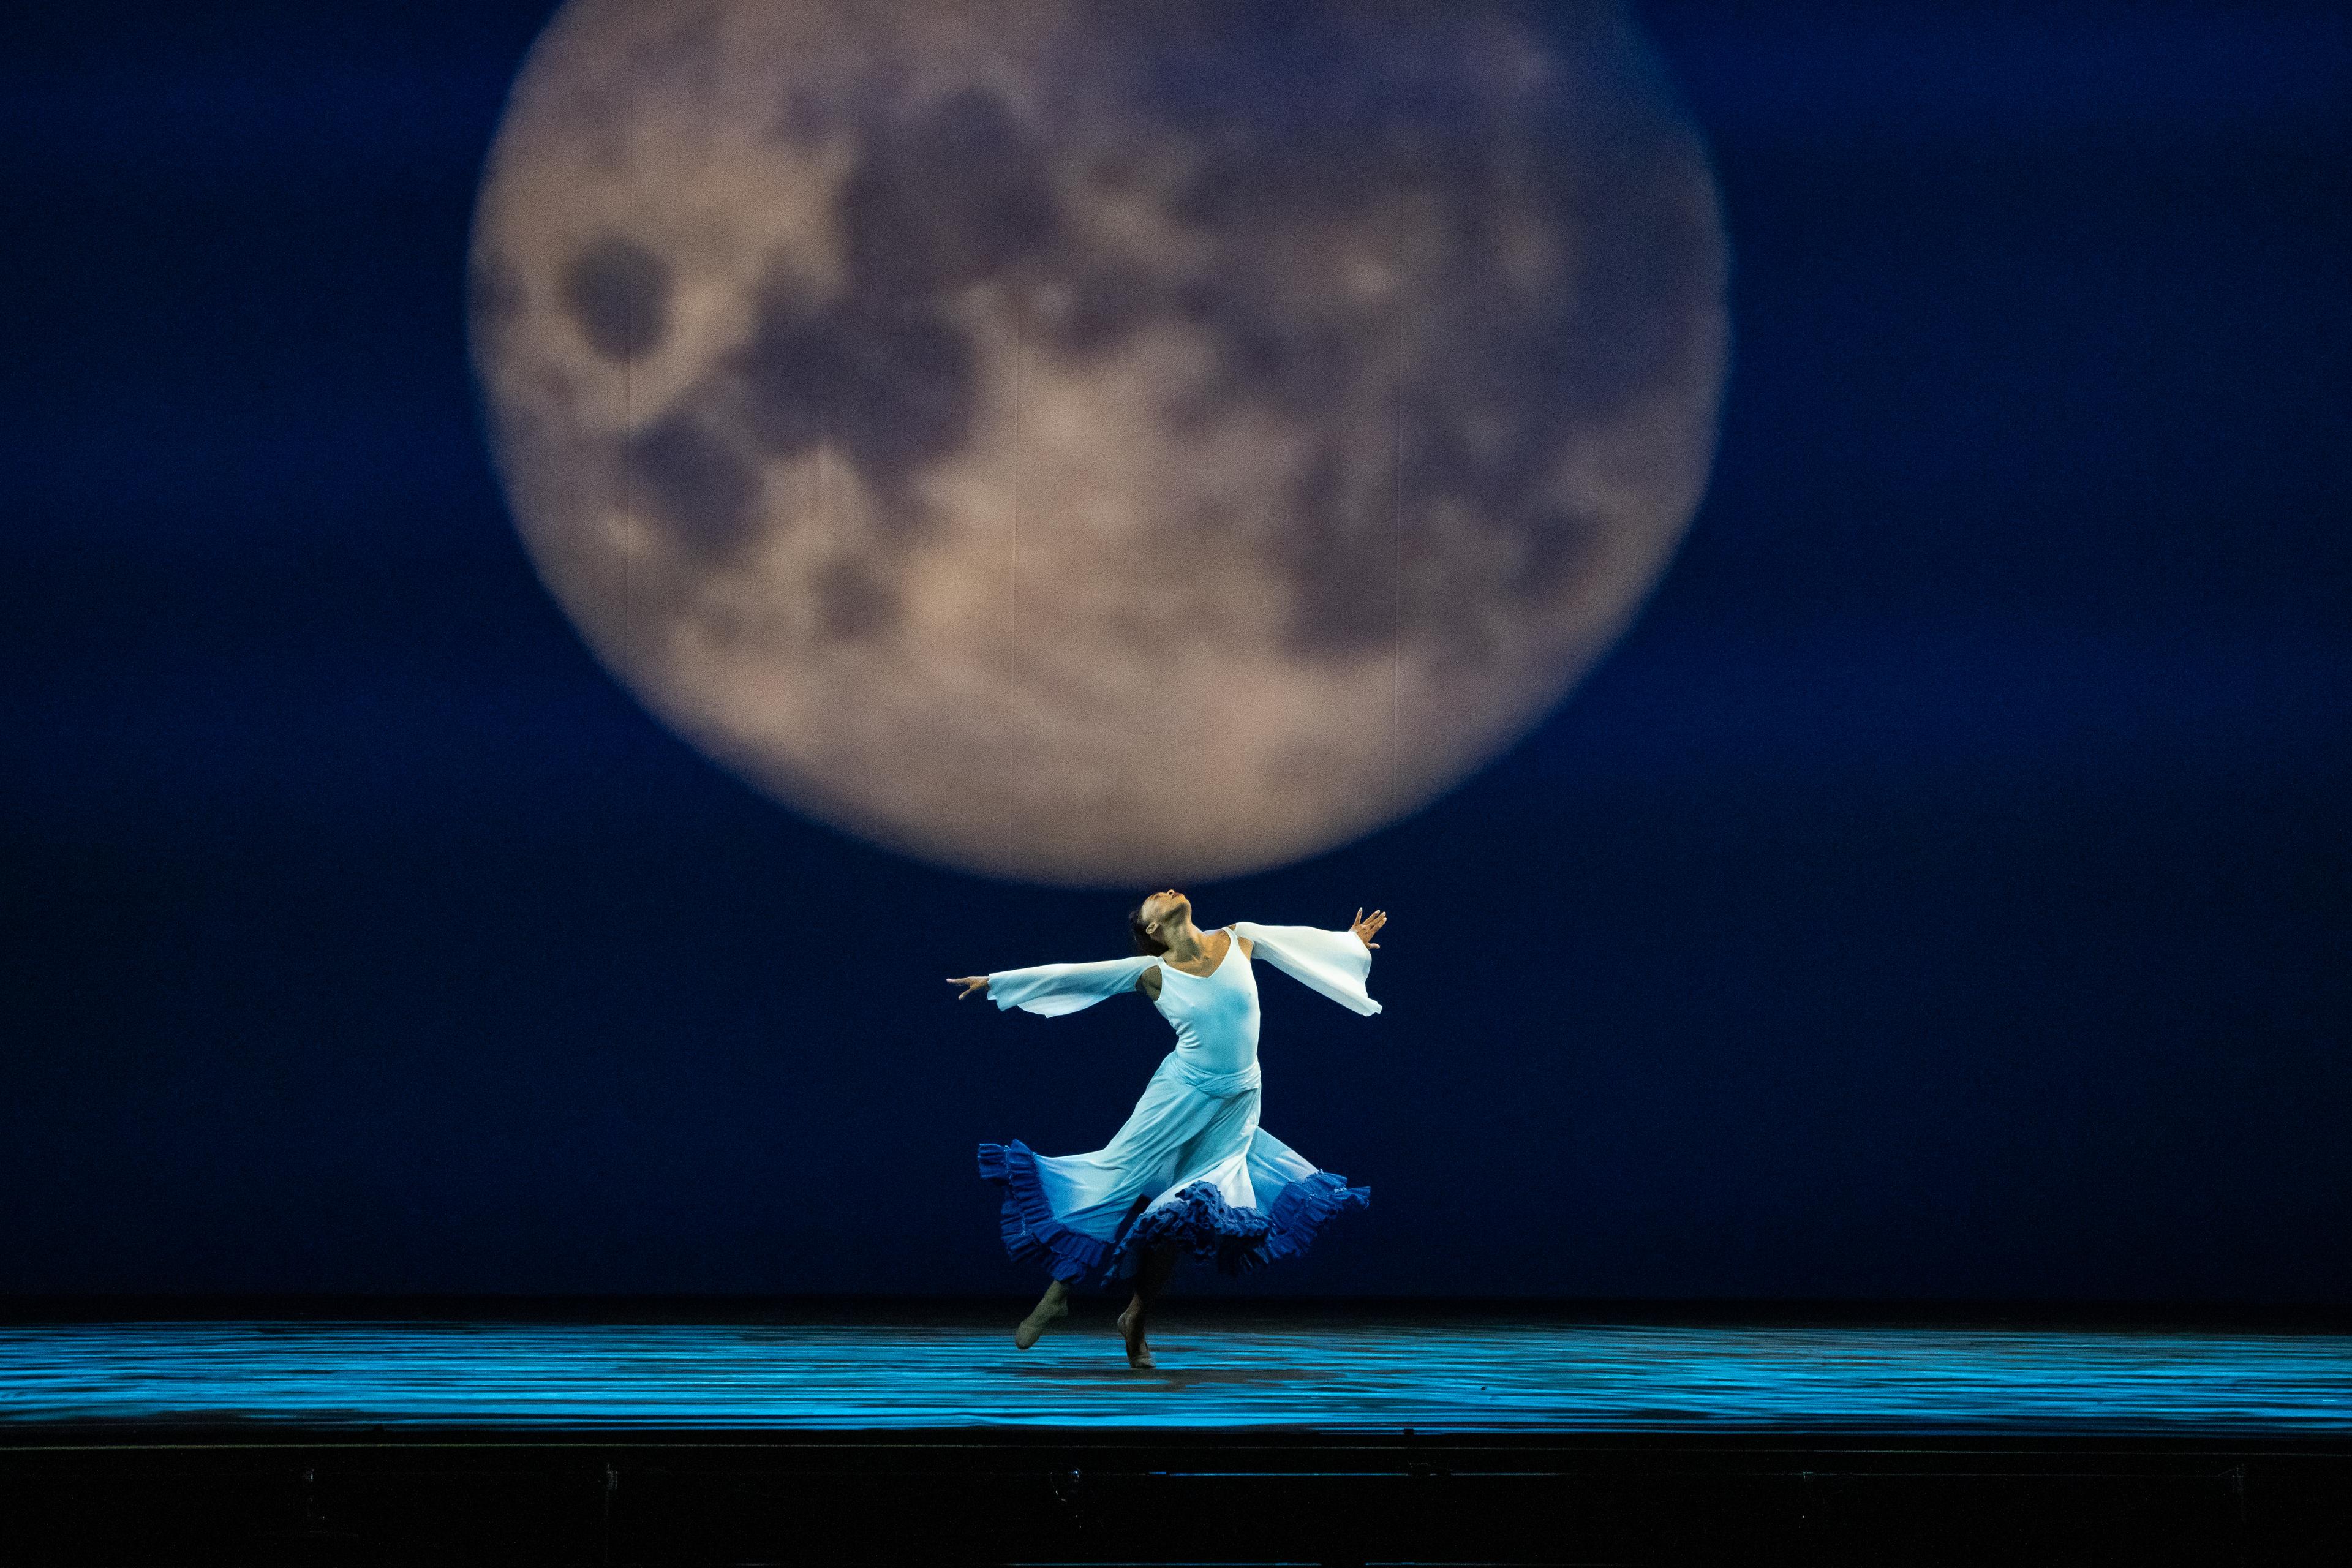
[
  {"x": 1364, "y": 927},
  {"x": 970, "y": 983}
]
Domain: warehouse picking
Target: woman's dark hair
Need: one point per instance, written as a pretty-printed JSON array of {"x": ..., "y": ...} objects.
[{"x": 1146, "y": 944}]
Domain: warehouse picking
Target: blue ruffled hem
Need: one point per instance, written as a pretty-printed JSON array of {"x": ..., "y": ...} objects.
[
  {"x": 1031, "y": 1234},
  {"x": 1302, "y": 1209},
  {"x": 1199, "y": 1221},
  {"x": 1202, "y": 1222}
]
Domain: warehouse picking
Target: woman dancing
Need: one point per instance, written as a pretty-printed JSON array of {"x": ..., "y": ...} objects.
[{"x": 1191, "y": 1171}]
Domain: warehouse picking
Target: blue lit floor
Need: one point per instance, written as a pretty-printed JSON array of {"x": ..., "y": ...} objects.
[{"x": 1362, "y": 1377}]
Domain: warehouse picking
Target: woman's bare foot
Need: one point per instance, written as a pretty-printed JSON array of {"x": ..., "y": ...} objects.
[
  {"x": 1130, "y": 1329},
  {"x": 1054, "y": 1303}
]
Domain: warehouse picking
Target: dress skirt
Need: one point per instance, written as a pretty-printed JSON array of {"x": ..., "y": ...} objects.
[{"x": 1192, "y": 1168}]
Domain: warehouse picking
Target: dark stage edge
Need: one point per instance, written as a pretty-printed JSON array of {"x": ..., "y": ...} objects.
[
  {"x": 234, "y": 1496},
  {"x": 606, "y": 1482}
]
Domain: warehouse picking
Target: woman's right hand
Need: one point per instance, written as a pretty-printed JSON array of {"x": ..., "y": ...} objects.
[{"x": 970, "y": 983}]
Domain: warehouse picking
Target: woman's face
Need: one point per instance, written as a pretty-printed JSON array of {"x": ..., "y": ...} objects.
[{"x": 1166, "y": 905}]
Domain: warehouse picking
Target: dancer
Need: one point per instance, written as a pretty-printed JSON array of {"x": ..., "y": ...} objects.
[{"x": 1192, "y": 1172}]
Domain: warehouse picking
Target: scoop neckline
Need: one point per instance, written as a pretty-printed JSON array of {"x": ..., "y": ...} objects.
[{"x": 1233, "y": 941}]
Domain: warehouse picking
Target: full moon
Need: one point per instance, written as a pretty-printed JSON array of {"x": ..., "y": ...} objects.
[{"x": 1099, "y": 442}]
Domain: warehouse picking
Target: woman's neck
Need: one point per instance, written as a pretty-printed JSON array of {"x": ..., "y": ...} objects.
[{"x": 1183, "y": 942}]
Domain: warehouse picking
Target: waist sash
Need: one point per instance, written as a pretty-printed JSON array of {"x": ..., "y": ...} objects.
[{"x": 1215, "y": 1085}]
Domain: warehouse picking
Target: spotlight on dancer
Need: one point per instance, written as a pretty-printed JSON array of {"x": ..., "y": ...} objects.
[{"x": 1191, "y": 1173}]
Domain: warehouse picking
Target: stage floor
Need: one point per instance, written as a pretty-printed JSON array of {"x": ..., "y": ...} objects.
[{"x": 1230, "y": 1375}]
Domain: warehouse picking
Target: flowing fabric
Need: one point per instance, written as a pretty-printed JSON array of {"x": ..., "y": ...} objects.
[{"x": 1192, "y": 1167}]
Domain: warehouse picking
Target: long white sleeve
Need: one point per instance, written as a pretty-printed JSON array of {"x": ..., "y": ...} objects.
[
  {"x": 1336, "y": 962},
  {"x": 1053, "y": 989}
]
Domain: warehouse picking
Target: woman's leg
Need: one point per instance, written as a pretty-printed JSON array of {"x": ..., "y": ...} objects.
[
  {"x": 1159, "y": 1262},
  {"x": 1054, "y": 1303}
]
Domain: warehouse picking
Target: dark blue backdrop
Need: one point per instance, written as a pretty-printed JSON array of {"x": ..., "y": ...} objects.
[{"x": 1941, "y": 892}]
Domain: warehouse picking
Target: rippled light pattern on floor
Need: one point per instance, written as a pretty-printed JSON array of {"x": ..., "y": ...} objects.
[{"x": 1362, "y": 1377}]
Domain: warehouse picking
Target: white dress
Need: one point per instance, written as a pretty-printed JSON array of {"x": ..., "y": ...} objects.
[{"x": 1192, "y": 1167}]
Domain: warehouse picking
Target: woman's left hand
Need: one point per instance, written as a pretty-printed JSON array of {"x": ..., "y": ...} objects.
[{"x": 1365, "y": 926}]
